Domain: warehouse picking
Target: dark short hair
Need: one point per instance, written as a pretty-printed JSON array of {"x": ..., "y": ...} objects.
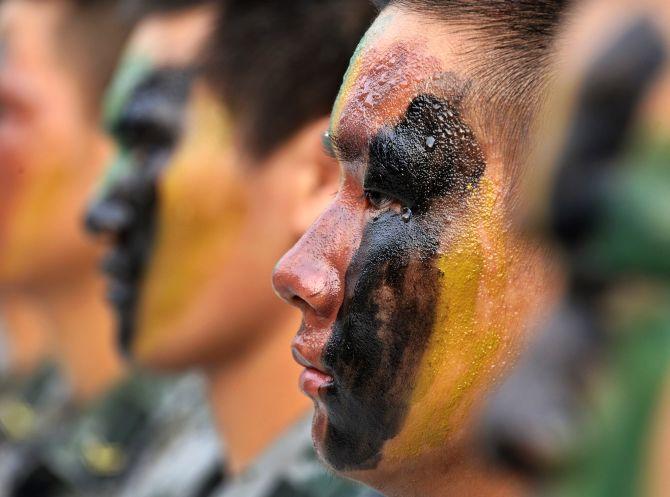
[
  {"x": 277, "y": 65},
  {"x": 511, "y": 71},
  {"x": 89, "y": 40},
  {"x": 141, "y": 8}
]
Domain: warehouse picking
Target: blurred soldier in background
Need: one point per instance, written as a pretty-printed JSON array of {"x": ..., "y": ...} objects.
[
  {"x": 144, "y": 110},
  {"x": 586, "y": 413},
  {"x": 50, "y": 153},
  {"x": 195, "y": 237},
  {"x": 57, "y": 59}
]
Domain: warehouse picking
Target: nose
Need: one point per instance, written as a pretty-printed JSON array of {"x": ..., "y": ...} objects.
[
  {"x": 311, "y": 275},
  {"x": 107, "y": 216}
]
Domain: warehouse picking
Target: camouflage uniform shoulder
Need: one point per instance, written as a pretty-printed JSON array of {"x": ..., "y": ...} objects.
[
  {"x": 99, "y": 445},
  {"x": 31, "y": 405},
  {"x": 184, "y": 458}
]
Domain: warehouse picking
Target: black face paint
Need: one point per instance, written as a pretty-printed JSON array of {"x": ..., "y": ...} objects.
[
  {"x": 147, "y": 131},
  {"x": 393, "y": 284}
]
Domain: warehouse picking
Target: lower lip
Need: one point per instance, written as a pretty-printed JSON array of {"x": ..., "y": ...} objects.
[{"x": 312, "y": 380}]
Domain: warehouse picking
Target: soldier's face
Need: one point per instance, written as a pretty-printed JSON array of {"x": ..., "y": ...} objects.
[
  {"x": 50, "y": 150},
  {"x": 145, "y": 110},
  {"x": 414, "y": 288},
  {"x": 197, "y": 226}
]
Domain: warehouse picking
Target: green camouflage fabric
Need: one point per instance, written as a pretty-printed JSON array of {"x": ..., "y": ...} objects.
[
  {"x": 30, "y": 408},
  {"x": 184, "y": 456},
  {"x": 290, "y": 468},
  {"x": 613, "y": 456},
  {"x": 148, "y": 437},
  {"x": 98, "y": 446}
]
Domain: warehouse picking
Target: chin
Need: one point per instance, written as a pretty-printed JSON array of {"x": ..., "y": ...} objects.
[
  {"x": 319, "y": 426},
  {"x": 156, "y": 357}
]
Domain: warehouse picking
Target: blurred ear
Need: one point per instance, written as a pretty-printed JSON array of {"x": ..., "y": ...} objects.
[{"x": 318, "y": 179}]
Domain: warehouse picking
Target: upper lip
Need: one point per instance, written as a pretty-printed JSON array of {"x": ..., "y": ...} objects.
[{"x": 307, "y": 356}]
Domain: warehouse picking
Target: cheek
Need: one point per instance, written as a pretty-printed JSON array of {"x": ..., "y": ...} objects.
[
  {"x": 467, "y": 339},
  {"x": 379, "y": 337},
  {"x": 39, "y": 200},
  {"x": 200, "y": 213}
]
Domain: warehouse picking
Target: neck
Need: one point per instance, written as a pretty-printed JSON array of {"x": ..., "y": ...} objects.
[
  {"x": 27, "y": 333},
  {"x": 467, "y": 473},
  {"x": 84, "y": 336},
  {"x": 256, "y": 398}
]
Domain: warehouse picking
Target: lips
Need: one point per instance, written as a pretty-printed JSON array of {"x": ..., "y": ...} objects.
[{"x": 314, "y": 378}]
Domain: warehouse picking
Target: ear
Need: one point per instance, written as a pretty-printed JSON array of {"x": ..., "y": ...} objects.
[{"x": 319, "y": 177}]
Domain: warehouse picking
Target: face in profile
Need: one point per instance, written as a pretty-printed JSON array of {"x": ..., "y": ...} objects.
[
  {"x": 50, "y": 150},
  {"x": 196, "y": 225},
  {"x": 145, "y": 109},
  {"x": 414, "y": 288}
]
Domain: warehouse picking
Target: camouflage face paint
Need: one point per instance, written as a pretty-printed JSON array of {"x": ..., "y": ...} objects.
[
  {"x": 147, "y": 124},
  {"x": 198, "y": 216},
  {"x": 388, "y": 315}
]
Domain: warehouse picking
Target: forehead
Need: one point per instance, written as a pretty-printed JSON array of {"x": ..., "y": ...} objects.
[
  {"x": 161, "y": 41},
  {"x": 27, "y": 31},
  {"x": 402, "y": 56},
  {"x": 172, "y": 39}
]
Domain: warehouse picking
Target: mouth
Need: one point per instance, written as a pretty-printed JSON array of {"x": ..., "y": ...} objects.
[{"x": 313, "y": 379}]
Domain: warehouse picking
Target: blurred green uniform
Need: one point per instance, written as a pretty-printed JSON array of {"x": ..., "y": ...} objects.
[
  {"x": 30, "y": 408},
  {"x": 132, "y": 441}
]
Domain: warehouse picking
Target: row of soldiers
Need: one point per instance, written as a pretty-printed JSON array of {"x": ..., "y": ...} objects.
[
  {"x": 95, "y": 86},
  {"x": 188, "y": 136}
]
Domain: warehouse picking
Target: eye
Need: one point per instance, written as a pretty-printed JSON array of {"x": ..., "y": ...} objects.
[{"x": 380, "y": 201}]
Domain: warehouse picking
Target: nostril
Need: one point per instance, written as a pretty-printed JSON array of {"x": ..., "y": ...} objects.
[
  {"x": 108, "y": 217},
  {"x": 299, "y": 303}
]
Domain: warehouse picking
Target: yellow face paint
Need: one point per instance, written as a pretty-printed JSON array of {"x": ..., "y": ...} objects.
[
  {"x": 199, "y": 213},
  {"x": 48, "y": 166},
  {"x": 471, "y": 322}
]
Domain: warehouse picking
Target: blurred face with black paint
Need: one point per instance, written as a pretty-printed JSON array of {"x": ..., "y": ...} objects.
[
  {"x": 415, "y": 289},
  {"x": 145, "y": 113},
  {"x": 198, "y": 222}
]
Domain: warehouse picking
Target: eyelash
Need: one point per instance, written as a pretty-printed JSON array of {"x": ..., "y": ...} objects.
[
  {"x": 378, "y": 200},
  {"x": 327, "y": 145}
]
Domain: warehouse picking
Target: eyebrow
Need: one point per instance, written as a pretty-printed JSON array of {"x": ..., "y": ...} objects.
[{"x": 343, "y": 148}]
